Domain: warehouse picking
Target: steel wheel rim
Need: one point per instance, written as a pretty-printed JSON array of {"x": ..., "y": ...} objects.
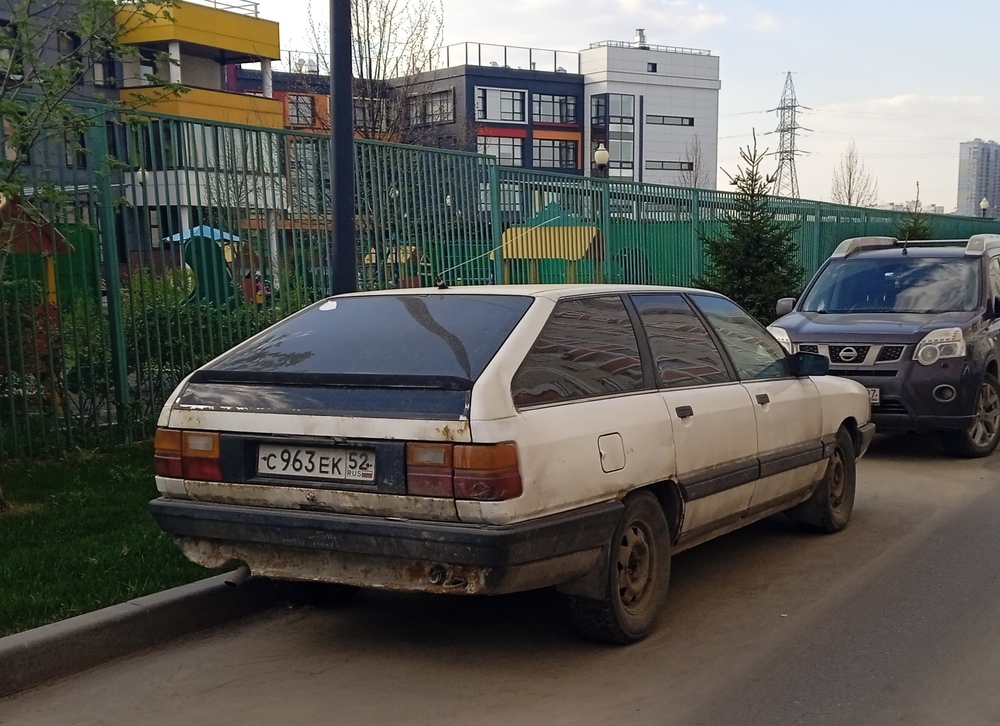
[
  {"x": 987, "y": 424},
  {"x": 838, "y": 478},
  {"x": 635, "y": 566}
]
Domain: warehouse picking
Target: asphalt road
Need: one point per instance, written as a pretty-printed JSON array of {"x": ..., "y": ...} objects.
[{"x": 894, "y": 621}]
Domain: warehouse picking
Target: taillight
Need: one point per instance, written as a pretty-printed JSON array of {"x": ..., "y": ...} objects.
[
  {"x": 487, "y": 473},
  {"x": 167, "y": 459},
  {"x": 187, "y": 454},
  {"x": 429, "y": 470},
  {"x": 483, "y": 472}
]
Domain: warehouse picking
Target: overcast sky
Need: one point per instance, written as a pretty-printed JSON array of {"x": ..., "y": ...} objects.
[{"x": 907, "y": 81}]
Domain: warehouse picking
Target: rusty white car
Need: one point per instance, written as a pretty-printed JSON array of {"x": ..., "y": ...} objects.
[{"x": 486, "y": 440}]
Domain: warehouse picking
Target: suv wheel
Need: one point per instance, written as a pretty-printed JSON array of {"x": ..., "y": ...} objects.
[{"x": 982, "y": 437}]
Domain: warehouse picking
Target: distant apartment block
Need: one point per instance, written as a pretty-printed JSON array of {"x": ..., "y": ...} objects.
[{"x": 978, "y": 177}]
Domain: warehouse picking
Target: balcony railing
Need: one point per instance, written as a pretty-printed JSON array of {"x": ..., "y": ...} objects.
[
  {"x": 505, "y": 56},
  {"x": 647, "y": 46}
]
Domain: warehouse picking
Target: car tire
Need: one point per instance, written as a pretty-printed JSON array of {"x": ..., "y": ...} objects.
[
  {"x": 982, "y": 437},
  {"x": 638, "y": 574},
  {"x": 324, "y": 595},
  {"x": 829, "y": 508}
]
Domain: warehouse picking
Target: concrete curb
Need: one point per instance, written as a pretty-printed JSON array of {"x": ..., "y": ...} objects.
[{"x": 52, "y": 651}]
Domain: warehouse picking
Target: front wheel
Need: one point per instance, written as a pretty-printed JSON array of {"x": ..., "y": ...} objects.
[
  {"x": 829, "y": 508},
  {"x": 638, "y": 571},
  {"x": 982, "y": 437}
]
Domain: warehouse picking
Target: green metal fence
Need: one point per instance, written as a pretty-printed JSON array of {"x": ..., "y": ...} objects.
[{"x": 154, "y": 244}]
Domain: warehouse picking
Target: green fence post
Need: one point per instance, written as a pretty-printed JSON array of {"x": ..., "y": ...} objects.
[
  {"x": 496, "y": 221},
  {"x": 817, "y": 239},
  {"x": 109, "y": 257},
  {"x": 699, "y": 259}
]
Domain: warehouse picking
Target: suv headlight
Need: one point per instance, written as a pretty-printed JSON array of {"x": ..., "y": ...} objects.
[
  {"x": 781, "y": 335},
  {"x": 944, "y": 343}
]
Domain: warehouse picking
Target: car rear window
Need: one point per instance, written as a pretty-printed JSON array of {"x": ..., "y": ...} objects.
[
  {"x": 896, "y": 285},
  {"x": 395, "y": 338}
]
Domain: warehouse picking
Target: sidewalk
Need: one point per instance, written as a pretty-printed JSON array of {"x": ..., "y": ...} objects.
[{"x": 37, "y": 656}]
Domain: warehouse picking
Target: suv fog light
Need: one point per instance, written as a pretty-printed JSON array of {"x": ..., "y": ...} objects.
[{"x": 945, "y": 394}]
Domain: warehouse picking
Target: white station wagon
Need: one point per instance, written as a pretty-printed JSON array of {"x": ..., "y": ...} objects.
[{"x": 497, "y": 439}]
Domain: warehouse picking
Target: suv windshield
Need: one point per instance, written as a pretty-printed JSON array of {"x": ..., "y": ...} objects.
[{"x": 896, "y": 285}]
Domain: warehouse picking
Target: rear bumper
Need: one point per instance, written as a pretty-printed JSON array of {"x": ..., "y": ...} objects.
[{"x": 382, "y": 553}]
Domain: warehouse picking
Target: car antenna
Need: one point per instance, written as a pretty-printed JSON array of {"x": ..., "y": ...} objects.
[
  {"x": 442, "y": 285},
  {"x": 905, "y": 239}
]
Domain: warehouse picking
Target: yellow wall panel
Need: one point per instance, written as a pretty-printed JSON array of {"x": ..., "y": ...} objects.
[
  {"x": 202, "y": 25},
  {"x": 199, "y": 103}
]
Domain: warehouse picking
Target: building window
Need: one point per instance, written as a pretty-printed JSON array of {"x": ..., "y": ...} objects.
[
  {"x": 301, "y": 110},
  {"x": 670, "y": 165},
  {"x": 13, "y": 151},
  {"x": 650, "y": 68},
  {"x": 599, "y": 110},
  {"x": 508, "y": 151},
  {"x": 670, "y": 120},
  {"x": 550, "y": 109},
  {"x": 433, "y": 108},
  {"x": 621, "y": 108},
  {"x": 555, "y": 153},
  {"x": 11, "y": 61},
  {"x": 370, "y": 113},
  {"x": 105, "y": 70},
  {"x": 498, "y": 104},
  {"x": 76, "y": 150},
  {"x": 147, "y": 64}
]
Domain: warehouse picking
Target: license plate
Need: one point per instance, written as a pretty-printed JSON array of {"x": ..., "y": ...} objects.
[
  {"x": 874, "y": 396},
  {"x": 316, "y": 462}
]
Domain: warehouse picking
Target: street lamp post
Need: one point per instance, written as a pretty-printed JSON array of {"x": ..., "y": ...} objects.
[
  {"x": 601, "y": 159},
  {"x": 984, "y": 205}
]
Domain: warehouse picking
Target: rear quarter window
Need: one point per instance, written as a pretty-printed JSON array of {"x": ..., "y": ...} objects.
[{"x": 587, "y": 348}]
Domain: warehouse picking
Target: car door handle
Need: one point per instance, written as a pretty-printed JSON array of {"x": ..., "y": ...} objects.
[
  {"x": 684, "y": 412},
  {"x": 762, "y": 399}
]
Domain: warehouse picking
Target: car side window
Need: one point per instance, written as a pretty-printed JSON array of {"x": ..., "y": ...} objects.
[
  {"x": 683, "y": 351},
  {"x": 995, "y": 277},
  {"x": 754, "y": 352},
  {"x": 587, "y": 348}
]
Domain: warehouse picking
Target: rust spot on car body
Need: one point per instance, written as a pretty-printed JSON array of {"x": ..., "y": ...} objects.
[{"x": 460, "y": 432}]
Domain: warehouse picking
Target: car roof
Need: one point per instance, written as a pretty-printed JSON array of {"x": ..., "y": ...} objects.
[
  {"x": 914, "y": 251},
  {"x": 546, "y": 291}
]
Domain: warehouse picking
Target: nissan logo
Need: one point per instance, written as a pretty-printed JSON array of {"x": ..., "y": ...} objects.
[{"x": 848, "y": 354}]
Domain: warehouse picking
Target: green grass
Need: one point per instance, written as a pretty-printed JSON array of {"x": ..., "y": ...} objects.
[{"x": 80, "y": 537}]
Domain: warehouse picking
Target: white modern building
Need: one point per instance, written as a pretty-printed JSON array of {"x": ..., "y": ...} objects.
[{"x": 656, "y": 110}]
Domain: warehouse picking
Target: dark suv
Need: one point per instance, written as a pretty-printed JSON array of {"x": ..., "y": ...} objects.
[{"x": 918, "y": 324}]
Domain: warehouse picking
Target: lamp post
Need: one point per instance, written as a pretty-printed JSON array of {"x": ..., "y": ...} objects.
[
  {"x": 601, "y": 158},
  {"x": 984, "y": 205}
]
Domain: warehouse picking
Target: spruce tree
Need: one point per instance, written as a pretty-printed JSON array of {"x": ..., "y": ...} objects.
[{"x": 753, "y": 259}]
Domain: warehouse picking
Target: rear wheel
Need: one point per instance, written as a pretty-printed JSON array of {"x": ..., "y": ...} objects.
[
  {"x": 829, "y": 508},
  {"x": 982, "y": 437},
  {"x": 638, "y": 571}
]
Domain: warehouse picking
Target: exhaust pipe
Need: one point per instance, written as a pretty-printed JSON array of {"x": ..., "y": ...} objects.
[{"x": 240, "y": 575}]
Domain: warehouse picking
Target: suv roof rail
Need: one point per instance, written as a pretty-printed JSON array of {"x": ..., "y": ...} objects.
[
  {"x": 856, "y": 244},
  {"x": 980, "y": 243}
]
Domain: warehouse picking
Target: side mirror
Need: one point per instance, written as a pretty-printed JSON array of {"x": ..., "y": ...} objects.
[
  {"x": 811, "y": 364},
  {"x": 785, "y": 305}
]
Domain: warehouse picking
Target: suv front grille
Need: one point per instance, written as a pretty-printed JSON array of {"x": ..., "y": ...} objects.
[
  {"x": 890, "y": 353},
  {"x": 849, "y": 353},
  {"x": 807, "y": 348}
]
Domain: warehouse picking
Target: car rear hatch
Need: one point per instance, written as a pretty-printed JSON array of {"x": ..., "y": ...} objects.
[{"x": 357, "y": 404}]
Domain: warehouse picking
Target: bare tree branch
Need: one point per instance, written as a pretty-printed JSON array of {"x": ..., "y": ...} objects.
[
  {"x": 697, "y": 176},
  {"x": 853, "y": 184}
]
